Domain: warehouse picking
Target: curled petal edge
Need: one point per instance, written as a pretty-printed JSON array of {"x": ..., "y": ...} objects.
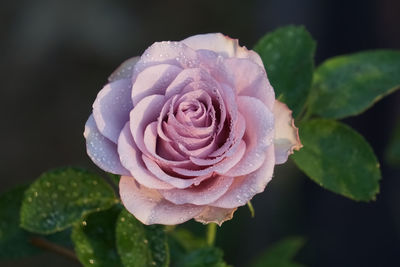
[
  {"x": 215, "y": 215},
  {"x": 286, "y": 133}
]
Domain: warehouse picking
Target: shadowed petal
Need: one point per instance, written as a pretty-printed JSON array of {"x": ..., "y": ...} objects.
[
  {"x": 102, "y": 151},
  {"x": 111, "y": 108},
  {"x": 149, "y": 207},
  {"x": 131, "y": 159},
  {"x": 286, "y": 134},
  {"x": 215, "y": 215},
  {"x": 145, "y": 112}
]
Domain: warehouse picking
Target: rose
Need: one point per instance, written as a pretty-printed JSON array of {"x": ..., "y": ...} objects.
[{"x": 192, "y": 127}]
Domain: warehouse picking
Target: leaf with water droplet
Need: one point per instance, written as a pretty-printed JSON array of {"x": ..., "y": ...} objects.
[
  {"x": 347, "y": 85},
  {"x": 288, "y": 57},
  {"x": 47, "y": 209},
  {"x": 14, "y": 241},
  {"x": 141, "y": 245},
  {"x": 94, "y": 239},
  {"x": 339, "y": 159}
]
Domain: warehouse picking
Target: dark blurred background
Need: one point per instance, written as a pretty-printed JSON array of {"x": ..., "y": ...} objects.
[{"x": 57, "y": 54}]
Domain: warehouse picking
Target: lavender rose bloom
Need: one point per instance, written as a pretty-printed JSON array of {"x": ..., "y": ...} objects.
[{"x": 192, "y": 127}]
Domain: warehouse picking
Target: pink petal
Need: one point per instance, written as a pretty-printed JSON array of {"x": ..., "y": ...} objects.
[
  {"x": 251, "y": 80},
  {"x": 206, "y": 192},
  {"x": 111, "y": 108},
  {"x": 215, "y": 215},
  {"x": 145, "y": 112},
  {"x": 258, "y": 135},
  {"x": 175, "y": 181},
  {"x": 131, "y": 159},
  {"x": 149, "y": 207},
  {"x": 245, "y": 187},
  {"x": 150, "y": 142},
  {"x": 188, "y": 76},
  {"x": 236, "y": 125},
  {"x": 172, "y": 53},
  {"x": 125, "y": 70},
  {"x": 101, "y": 150},
  {"x": 223, "y": 45},
  {"x": 222, "y": 167},
  {"x": 153, "y": 80},
  {"x": 286, "y": 134}
]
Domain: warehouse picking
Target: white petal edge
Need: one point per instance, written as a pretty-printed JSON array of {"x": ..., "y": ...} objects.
[{"x": 286, "y": 133}]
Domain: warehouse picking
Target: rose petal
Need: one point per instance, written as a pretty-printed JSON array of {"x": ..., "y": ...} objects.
[
  {"x": 223, "y": 45},
  {"x": 145, "y": 112},
  {"x": 101, "y": 150},
  {"x": 125, "y": 70},
  {"x": 236, "y": 126},
  {"x": 251, "y": 80},
  {"x": 173, "y": 53},
  {"x": 221, "y": 168},
  {"x": 153, "y": 81},
  {"x": 177, "y": 182},
  {"x": 149, "y": 207},
  {"x": 111, "y": 108},
  {"x": 286, "y": 134},
  {"x": 150, "y": 142},
  {"x": 245, "y": 187},
  {"x": 188, "y": 76},
  {"x": 131, "y": 159},
  {"x": 215, "y": 215},
  {"x": 206, "y": 192},
  {"x": 258, "y": 135}
]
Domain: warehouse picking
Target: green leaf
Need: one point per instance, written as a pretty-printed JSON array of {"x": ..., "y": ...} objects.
[
  {"x": 339, "y": 159},
  {"x": 280, "y": 254},
  {"x": 208, "y": 256},
  {"x": 14, "y": 241},
  {"x": 393, "y": 149},
  {"x": 94, "y": 239},
  {"x": 59, "y": 198},
  {"x": 139, "y": 245},
  {"x": 347, "y": 85},
  {"x": 288, "y": 56}
]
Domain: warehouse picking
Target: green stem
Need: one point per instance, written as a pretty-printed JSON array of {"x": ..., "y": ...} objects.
[
  {"x": 47, "y": 245},
  {"x": 251, "y": 208},
  {"x": 211, "y": 233}
]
